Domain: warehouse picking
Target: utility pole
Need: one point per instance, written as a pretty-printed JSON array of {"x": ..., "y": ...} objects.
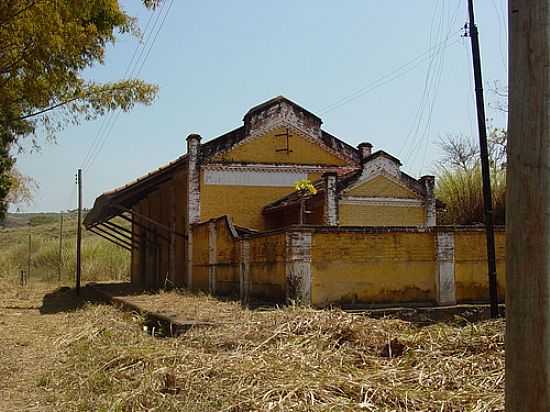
[
  {"x": 528, "y": 208},
  {"x": 60, "y": 247},
  {"x": 484, "y": 154},
  {"x": 29, "y": 252},
  {"x": 78, "y": 231}
]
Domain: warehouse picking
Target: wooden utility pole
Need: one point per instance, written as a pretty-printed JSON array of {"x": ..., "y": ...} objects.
[
  {"x": 60, "y": 257},
  {"x": 29, "y": 253},
  {"x": 528, "y": 208},
  {"x": 485, "y": 170},
  {"x": 78, "y": 231}
]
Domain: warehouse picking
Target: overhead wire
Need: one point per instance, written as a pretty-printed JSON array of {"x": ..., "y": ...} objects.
[
  {"x": 134, "y": 72},
  {"x": 431, "y": 86},
  {"x": 420, "y": 131},
  {"x": 503, "y": 32},
  {"x": 130, "y": 70},
  {"x": 388, "y": 77},
  {"x": 106, "y": 119}
]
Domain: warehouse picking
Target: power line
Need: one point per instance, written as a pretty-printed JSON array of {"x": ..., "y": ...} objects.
[
  {"x": 110, "y": 121},
  {"x": 107, "y": 120},
  {"x": 421, "y": 132},
  {"x": 95, "y": 141},
  {"x": 503, "y": 29},
  {"x": 431, "y": 87},
  {"x": 392, "y": 75},
  {"x": 137, "y": 73}
]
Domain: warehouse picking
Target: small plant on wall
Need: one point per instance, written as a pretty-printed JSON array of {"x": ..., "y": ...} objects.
[{"x": 304, "y": 188}]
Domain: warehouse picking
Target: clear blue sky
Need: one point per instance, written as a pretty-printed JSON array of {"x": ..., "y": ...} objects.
[{"x": 213, "y": 60}]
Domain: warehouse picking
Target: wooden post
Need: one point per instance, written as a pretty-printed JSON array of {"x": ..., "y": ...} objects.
[
  {"x": 79, "y": 233},
  {"x": 528, "y": 209},
  {"x": 29, "y": 253},
  {"x": 60, "y": 257},
  {"x": 302, "y": 211},
  {"x": 173, "y": 214}
]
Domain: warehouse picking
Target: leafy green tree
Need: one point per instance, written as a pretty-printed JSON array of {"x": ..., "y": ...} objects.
[{"x": 45, "y": 45}]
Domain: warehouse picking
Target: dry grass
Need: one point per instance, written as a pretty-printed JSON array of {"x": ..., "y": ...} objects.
[
  {"x": 101, "y": 260},
  {"x": 287, "y": 359}
]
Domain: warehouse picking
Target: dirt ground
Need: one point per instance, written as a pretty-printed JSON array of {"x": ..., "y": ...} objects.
[{"x": 32, "y": 320}]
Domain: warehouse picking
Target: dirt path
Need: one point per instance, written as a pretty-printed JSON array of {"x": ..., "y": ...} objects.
[{"x": 31, "y": 320}]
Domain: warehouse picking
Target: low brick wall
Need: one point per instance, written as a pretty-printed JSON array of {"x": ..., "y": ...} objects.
[
  {"x": 321, "y": 265},
  {"x": 471, "y": 265},
  {"x": 350, "y": 267}
]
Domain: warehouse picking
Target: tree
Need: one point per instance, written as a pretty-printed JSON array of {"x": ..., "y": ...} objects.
[
  {"x": 21, "y": 188},
  {"x": 44, "y": 47},
  {"x": 459, "y": 179}
]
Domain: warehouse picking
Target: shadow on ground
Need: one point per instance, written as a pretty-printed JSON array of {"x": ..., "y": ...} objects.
[{"x": 62, "y": 299}]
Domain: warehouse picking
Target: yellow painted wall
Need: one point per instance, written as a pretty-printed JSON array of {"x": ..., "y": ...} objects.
[
  {"x": 243, "y": 204},
  {"x": 371, "y": 215},
  {"x": 227, "y": 260},
  {"x": 263, "y": 149},
  {"x": 366, "y": 215},
  {"x": 381, "y": 186},
  {"x": 471, "y": 266},
  {"x": 267, "y": 278},
  {"x": 200, "y": 257},
  {"x": 372, "y": 268}
]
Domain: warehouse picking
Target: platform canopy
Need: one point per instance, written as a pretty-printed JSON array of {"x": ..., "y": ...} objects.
[{"x": 119, "y": 203}]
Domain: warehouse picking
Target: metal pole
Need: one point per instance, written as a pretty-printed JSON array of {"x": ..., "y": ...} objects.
[
  {"x": 79, "y": 232},
  {"x": 60, "y": 247},
  {"x": 485, "y": 171}
]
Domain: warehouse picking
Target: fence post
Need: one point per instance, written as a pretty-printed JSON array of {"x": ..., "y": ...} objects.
[
  {"x": 445, "y": 270},
  {"x": 244, "y": 270},
  {"x": 212, "y": 251},
  {"x": 298, "y": 267}
]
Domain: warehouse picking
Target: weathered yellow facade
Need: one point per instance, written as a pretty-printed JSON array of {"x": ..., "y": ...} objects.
[
  {"x": 343, "y": 266},
  {"x": 471, "y": 266},
  {"x": 226, "y": 218},
  {"x": 274, "y": 148},
  {"x": 200, "y": 258},
  {"x": 243, "y": 203},
  {"x": 374, "y": 268},
  {"x": 382, "y": 186},
  {"x": 368, "y": 215}
]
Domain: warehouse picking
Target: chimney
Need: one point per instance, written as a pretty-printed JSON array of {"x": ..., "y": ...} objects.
[
  {"x": 193, "y": 199},
  {"x": 365, "y": 149},
  {"x": 193, "y": 196},
  {"x": 429, "y": 182},
  {"x": 330, "y": 216}
]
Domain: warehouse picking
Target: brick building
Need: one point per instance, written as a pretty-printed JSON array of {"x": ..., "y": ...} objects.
[{"x": 249, "y": 174}]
